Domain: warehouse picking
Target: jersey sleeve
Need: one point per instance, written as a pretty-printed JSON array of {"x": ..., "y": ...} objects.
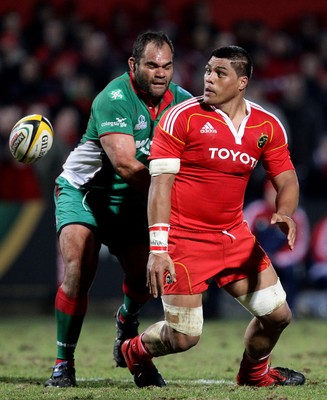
[
  {"x": 276, "y": 157},
  {"x": 169, "y": 136},
  {"x": 111, "y": 112}
]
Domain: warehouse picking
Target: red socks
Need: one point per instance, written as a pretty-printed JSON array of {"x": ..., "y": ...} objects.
[
  {"x": 254, "y": 372},
  {"x": 70, "y": 306},
  {"x": 139, "y": 349},
  {"x": 135, "y": 353}
]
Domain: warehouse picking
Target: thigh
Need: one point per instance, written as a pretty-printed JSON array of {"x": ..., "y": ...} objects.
[
  {"x": 197, "y": 258},
  {"x": 134, "y": 260},
  {"x": 183, "y": 300},
  {"x": 243, "y": 257},
  {"x": 71, "y": 206},
  {"x": 80, "y": 251},
  {"x": 253, "y": 283},
  {"x": 124, "y": 230}
]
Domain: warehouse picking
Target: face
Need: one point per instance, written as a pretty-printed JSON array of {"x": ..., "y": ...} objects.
[
  {"x": 155, "y": 70},
  {"x": 221, "y": 83}
]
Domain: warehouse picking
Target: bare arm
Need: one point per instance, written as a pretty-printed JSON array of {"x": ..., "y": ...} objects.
[
  {"x": 121, "y": 150},
  {"x": 159, "y": 203},
  {"x": 287, "y": 200}
]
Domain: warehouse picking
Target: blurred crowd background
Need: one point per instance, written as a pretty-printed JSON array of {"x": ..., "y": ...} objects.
[{"x": 55, "y": 56}]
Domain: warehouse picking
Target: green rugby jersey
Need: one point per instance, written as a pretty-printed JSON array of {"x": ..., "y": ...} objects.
[{"x": 117, "y": 108}]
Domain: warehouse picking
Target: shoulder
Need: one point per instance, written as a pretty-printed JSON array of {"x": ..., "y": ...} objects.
[
  {"x": 119, "y": 89},
  {"x": 260, "y": 112},
  {"x": 179, "y": 91},
  {"x": 181, "y": 110},
  {"x": 186, "y": 105}
]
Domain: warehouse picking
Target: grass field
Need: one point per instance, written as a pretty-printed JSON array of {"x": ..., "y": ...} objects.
[{"x": 204, "y": 372}]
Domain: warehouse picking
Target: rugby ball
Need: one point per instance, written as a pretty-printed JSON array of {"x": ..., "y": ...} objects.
[{"x": 31, "y": 138}]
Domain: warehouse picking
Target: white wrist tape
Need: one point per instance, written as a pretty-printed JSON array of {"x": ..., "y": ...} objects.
[
  {"x": 159, "y": 238},
  {"x": 164, "y": 166}
]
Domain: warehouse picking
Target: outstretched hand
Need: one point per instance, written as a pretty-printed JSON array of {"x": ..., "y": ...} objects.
[
  {"x": 287, "y": 226},
  {"x": 158, "y": 263}
]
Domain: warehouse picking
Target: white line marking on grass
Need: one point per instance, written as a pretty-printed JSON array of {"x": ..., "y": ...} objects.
[
  {"x": 211, "y": 382},
  {"x": 177, "y": 381}
]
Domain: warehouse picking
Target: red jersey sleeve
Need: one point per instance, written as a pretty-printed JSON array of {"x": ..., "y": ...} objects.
[
  {"x": 276, "y": 157},
  {"x": 169, "y": 135}
]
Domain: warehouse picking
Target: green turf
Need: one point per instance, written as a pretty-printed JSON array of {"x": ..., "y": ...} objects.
[{"x": 204, "y": 372}]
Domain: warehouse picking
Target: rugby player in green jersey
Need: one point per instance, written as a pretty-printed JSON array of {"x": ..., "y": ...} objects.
[{"x": 101, "y": 197}]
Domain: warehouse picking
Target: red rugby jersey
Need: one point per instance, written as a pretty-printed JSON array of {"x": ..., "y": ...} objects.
[{"x": 216, "y": 160}]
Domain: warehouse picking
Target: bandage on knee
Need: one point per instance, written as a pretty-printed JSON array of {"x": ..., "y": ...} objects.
[
  {"x": 264, "y": 301},
  {"x": 185, "y": 320},
  {"x": 154, "y": 333}
]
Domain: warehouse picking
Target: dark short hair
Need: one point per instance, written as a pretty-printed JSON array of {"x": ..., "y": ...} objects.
[
  {"x": 158, "y": 38},
  {"x": 239, "y": 57}
]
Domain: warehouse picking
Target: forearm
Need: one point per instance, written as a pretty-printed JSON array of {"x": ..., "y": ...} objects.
[
  {"x": 159, "y": 203},
  {"x": 159, "y": 206},
  {"x": 287, "y": 198},
  {"x": 287, "y": 202},
  {"x": 136, "y": 174},
  {"x": 121, "y": 152}
]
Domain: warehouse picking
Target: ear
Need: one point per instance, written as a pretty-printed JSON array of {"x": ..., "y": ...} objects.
[
  {"x": 131, "y": 64},
  {"x": 244, "y": 80}
]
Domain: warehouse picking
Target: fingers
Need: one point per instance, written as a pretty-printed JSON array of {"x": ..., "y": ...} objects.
[
  {"x": 287, "y": 225},
  {"x": 159, "y": 263},
  {"x": 153, "y": 284}
]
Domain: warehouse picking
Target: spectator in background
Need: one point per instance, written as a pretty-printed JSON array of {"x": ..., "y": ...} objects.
[
  {"x": 320, "y": 158},
  {"x": 29, "y": 86},
  {"x": 312, "y": 68},
  {"x": 97, "y": 59},
  {"x": 12, "y": 55},
  {"x": 290, "y": 266},
  {"x": 258, "y": 92},
  {"x": 198, "y": 22},
  {"x": 317, "y": 272},
  {"x": 306, "y": 124},
  {"x": 67, "y": 127},
  {"x": 19, "y": 181}
]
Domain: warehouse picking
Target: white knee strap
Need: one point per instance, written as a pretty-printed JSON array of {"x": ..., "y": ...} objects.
[
  {"x": 185, "y": 320},
  {"x": 264, "y": 301}
]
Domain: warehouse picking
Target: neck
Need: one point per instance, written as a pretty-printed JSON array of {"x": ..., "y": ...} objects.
[{"x": 234, "y": 109}]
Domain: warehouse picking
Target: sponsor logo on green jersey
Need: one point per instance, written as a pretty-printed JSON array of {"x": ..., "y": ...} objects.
[
  {"x": 117, "y": 94},
  {"x": 141, "y": 124}
]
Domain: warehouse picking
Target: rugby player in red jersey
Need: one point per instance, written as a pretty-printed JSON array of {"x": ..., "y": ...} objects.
[{"x": 203, "y": 153}]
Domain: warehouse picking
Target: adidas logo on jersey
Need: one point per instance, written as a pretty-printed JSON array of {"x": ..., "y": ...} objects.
[{"x": 208, "y": 128}]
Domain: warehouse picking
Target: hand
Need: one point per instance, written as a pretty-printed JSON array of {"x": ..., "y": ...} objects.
[
  {"x": 158, "y": 263},
  {"x": 287, "y": 225}
]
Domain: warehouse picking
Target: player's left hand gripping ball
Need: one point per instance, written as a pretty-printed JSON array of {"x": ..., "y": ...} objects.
[{"x": 31, "y": 138}]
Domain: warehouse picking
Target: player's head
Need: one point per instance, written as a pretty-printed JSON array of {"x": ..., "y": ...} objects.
[
  {"x": 159, "y": 39},
  {"x": 227, "y": 74},
  {"x": 151, "y": 63},
  {"x": 239, "y": 59}
]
